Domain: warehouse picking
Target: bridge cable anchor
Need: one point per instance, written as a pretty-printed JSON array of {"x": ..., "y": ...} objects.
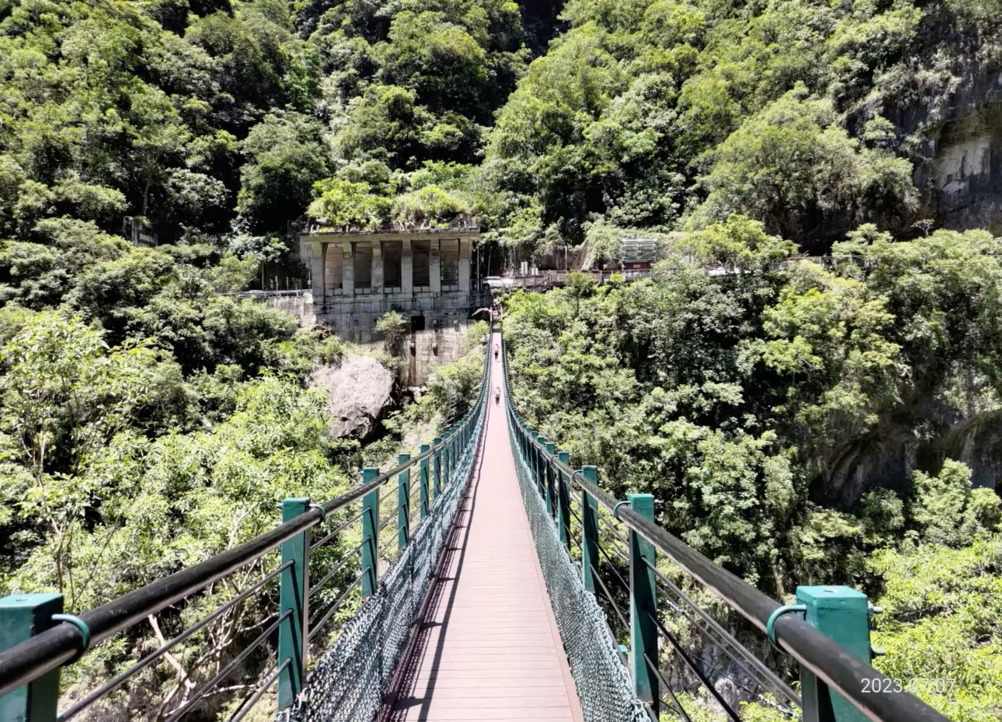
[
  {"x": 770, "y": 625},
  {"x": 615, "y": 509},
  {"x": 320, "y": 508},
  {"x": 81, "y": 627}
]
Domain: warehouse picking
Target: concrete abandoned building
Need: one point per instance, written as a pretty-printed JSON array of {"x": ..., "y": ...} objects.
[{"x": 424, "y": 274}]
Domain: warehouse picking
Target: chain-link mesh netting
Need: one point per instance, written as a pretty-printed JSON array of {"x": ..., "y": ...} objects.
[
  {"x": 348, "y": 681},
  {"x": 602, "y": 682}
]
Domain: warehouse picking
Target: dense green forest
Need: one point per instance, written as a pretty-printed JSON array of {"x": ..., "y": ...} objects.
[
  {"x": 798, "y": 420},
  {"x": 765, "y": 408}
]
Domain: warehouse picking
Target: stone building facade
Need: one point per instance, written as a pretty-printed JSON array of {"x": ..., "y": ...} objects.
[{"x": 356, "y": 277}]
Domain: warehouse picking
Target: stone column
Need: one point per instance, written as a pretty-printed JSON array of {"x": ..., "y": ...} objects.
[
  {"x": 434, "y": 268},
  {"x": 377, "y": 266},
  {"x": 317, "y": 284},
  {"x": 347, "y": 269},
  {"x": 407, "y": 270},
  {"x": 465, "y": 250}
]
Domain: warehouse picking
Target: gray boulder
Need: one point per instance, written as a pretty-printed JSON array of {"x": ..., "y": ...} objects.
[{"x": 358, "y": 390}]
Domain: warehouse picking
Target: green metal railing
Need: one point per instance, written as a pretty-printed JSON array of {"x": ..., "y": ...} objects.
[
  {"x": 614, "y": 545},
  {"x": 37, "y": 640}
]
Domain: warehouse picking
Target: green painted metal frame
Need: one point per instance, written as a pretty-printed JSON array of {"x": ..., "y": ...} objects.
[
  {"x": 293, "y": 596},
  {"x": 425, "y": 481},
  {"x": 437, "y": 465},
  {"x": 370, "y": 535},
  {"x": 589, "y": 531},
  {"x": 23, "y": 616},
  {"x": 403, "y": 503},
  {"x": 843, "y": 614},
  {"x": 563, "y": 502},
  {"x": 540, "y": 464},
  {"x": 551, "y": 473},
  {"x": 643, "y": 609}
]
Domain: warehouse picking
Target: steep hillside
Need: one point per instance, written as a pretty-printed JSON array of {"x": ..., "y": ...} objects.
[{"x": 812, "y": 117}]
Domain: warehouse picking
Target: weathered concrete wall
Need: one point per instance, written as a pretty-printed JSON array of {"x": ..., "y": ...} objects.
[
  {"x": 430, "y": 348},
  {"x": 354, "y": 319},
  {"x": 424, "y": 350},
  {"x": 442, "y": 341},
  {"x": 298, "y": 304}
]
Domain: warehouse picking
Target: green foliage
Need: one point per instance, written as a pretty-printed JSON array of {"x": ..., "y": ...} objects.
[
  {"x": 766, "y": 403},
  {"x": 349, "y": 205},
  {"x": 452, "y": 388},
  {"x": 792, "y": 167},
  {"x": 118, "y": 109},
  {"x": 394, "y": 327},
  {"x": 428, "y": 207},
  {"x": 809, "y": 117},
  {"x": 939, "y": 628},
  {"x": 947, "y": 511},
  {"x": 408, "y": 82},
  {"x": 286, "y": 157},
  {"x": 961, "y": 272}
]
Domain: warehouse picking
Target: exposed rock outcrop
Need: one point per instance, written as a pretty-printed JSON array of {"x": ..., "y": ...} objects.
[
  {"x": 358, "y": 391},
  {"x": 892, "y": 452},
  {"x": 953, "y": 117},
  {"x": 978, "y": 443}
]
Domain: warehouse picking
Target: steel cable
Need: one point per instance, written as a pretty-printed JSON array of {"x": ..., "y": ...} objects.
[{"x": 119, "y": 679}]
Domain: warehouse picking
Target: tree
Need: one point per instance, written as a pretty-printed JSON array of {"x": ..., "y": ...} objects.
[
  {"x": 344, "y": 204},
  {"x": 792, "y": 168},
  {"x": 285, "y": 157},
  {"x": 393, "y": 327},
  {"x": 948, "y": 511}
]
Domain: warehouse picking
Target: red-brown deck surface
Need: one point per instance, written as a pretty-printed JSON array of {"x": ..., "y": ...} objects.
[{"x": 488, "y": 647}]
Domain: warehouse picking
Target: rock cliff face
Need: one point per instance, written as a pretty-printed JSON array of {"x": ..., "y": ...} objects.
[
  {"x": 977, "y": 443},
  {"x": 889, "y": 456},
  {"x": 357, "y": 391},
  {"x": 959, "y": 166}
]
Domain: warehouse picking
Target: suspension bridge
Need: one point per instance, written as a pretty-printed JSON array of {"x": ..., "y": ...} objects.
[{"x": 484, "y": 577}]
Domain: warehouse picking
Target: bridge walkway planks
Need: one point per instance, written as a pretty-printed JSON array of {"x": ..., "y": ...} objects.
[{"x": 488, "y": 647}]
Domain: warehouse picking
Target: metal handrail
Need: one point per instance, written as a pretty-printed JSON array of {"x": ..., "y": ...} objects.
[
  {"x": 44, "y": 652},
  {"x": 821, "y": 655}
]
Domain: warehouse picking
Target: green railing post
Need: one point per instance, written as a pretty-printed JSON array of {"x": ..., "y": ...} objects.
[
  {"x": 370, "y": 535},
  {"x": 444, "y": 482},
  {"x": 457, "y": 437},
  {"x": 540, "y": 465},
  {"x": 530, "y": 439},
  {"x": 563, "y": 502},
  {"x": 643, "y": 609},
  {"x": 451, "y": 457},
  {"x": 437, "y": 465},
  {"x": 843, "y": 615},
  {"x": 23, "y": 616},
  {"x": 292, "y": 602},
  {"x": 551, "y": 490},
  {"x": 424, "y": 480},
  {"x": 589, "y": 531},
  {"x": 403, "y": 503}
]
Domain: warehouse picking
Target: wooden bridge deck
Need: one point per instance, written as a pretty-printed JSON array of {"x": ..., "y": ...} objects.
[{"x": 488, "y": 647}]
